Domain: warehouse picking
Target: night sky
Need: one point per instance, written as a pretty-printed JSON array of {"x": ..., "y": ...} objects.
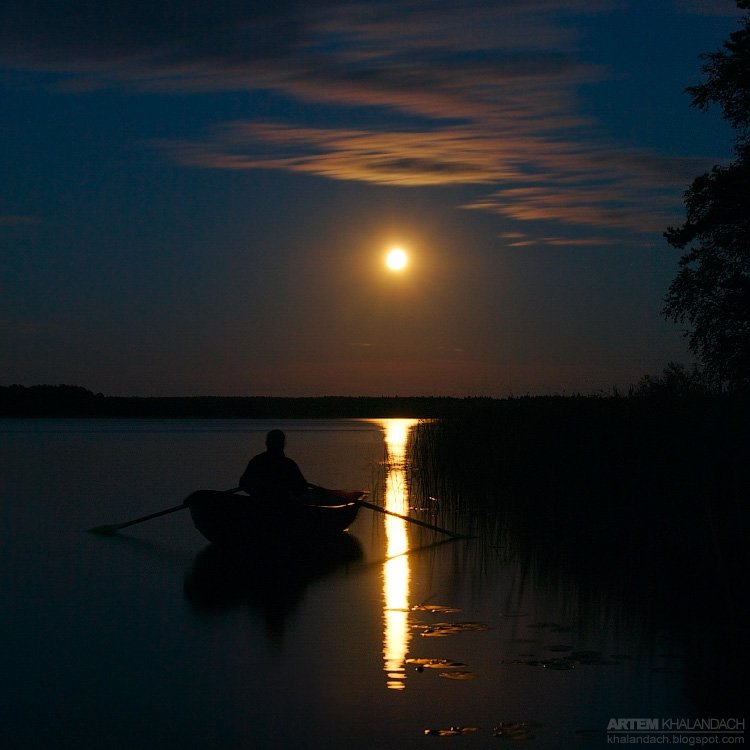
[{"x": 198, "y": 197}]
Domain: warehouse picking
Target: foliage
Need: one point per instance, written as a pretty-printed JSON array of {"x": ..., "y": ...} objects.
[
  {"x": 712, "y": 289},
  {"x": 728, "y": 83},
  {"x": 676, "y": 381},
  {"x": 48, "y": 401}
]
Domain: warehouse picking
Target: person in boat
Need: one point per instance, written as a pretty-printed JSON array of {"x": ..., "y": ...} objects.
[{"x": 272, "y": 473}]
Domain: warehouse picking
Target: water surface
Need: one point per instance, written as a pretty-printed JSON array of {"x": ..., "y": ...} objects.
[{"x": 106, "y": 647}]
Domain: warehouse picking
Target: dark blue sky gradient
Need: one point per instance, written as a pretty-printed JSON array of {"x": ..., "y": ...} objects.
[{"x": 197, "y": 198}]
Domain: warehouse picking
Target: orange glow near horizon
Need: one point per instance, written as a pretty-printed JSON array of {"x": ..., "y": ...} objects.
[{"x": 396, "y": 573}]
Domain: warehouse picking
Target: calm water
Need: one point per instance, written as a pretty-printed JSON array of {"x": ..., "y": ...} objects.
[{"x": 104, "y": 646}]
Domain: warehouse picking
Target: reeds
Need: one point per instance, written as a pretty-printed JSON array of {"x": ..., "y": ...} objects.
[{"x": 643, "y": 488}]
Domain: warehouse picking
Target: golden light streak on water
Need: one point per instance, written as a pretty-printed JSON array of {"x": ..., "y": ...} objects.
[{"x": 396, "y": 572}]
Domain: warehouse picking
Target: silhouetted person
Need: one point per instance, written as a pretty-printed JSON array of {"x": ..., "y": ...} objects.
[{"x": 273, "y": 474}]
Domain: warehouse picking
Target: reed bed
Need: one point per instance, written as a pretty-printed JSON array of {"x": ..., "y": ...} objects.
[
  {"x": 652, "y": 487},
  {"x": 628, "y": 509}
]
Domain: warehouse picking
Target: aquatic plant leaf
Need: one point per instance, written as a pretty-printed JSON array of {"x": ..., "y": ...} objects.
[
  {"x": 435, "y": 663},
  {"x": 450, "y": 731},
  {"x": 561, "y": 664},
  {"x": 458, "y": 674},
  {"x": 441, "y": 629},
  {"x": 434, "y": 609},
  {"x": 527, "y": 662},
  {"x": 514, "y": 730}
]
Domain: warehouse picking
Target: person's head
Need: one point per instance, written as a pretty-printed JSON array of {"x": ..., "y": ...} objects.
[{"x": 275, "y": 441}]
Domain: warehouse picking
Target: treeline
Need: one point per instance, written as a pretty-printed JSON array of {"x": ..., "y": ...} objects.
[
  {"x": 75, "y": 401},
  {"x": 49, "y": 401}
]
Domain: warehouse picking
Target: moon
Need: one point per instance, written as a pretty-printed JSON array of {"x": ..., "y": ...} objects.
[{"x": 396, "y": 259}]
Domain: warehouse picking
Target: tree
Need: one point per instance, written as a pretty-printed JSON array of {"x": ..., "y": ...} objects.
[
  {"x": 676, "y": 381},
  {"x": 711, "y": 291}
]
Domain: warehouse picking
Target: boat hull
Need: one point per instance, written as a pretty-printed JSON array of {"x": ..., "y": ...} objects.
[{"x": 239, "y": 520}]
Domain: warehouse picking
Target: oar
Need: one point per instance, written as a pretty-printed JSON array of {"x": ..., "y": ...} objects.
[
  {"x": 416, "y": 521},
  {"x": 113, "y": 528},
  {"x": 379, "y": 509}
]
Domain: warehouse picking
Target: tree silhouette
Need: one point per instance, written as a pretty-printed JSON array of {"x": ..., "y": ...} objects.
[{"x": 711, "y": 292}]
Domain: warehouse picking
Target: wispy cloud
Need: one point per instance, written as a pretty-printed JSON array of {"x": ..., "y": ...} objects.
[
  {"x": 415, "y": 157},
  {"x": 521, "y": 239},
  {"x": 534, "y": 176},
  {"x": 474, "y": 93}
]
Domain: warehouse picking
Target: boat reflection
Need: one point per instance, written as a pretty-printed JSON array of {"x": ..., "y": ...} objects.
[
  {"x": 270, "y": 580},
  {"x": 396, "y": 572}
]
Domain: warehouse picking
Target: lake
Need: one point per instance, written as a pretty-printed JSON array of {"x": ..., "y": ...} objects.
[{"x": 128, "y": 641}]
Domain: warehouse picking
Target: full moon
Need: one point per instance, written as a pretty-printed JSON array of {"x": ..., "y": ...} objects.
[{"x": 396, "y": 259}]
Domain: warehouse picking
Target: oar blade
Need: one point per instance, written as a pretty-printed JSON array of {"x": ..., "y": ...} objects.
[{"x": 113, "y": 528}]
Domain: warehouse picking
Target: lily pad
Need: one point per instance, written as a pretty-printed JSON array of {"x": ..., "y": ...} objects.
[
  {"x": 561, "y": 664},
  {"x": 458, "y": 674},
  {"x": 514, "y": 730},
  {"x": 442, "y": 629},
  {"x": 527, "y": 662},
  {"x": 434, "y": 609},
  {"x": 435, "y": 663},
  {"x": 450, "y": 731}
]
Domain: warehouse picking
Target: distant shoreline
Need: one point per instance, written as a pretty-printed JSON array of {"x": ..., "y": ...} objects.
[
  {"x": 72, "y": 402},
  {"x": 77, "y": 402}
]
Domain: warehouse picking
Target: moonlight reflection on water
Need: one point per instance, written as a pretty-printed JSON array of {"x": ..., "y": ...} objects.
[{"x": 396, "y": 572}]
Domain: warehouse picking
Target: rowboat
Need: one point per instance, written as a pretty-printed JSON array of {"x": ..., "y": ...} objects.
[{"x": 238, "y": 519}]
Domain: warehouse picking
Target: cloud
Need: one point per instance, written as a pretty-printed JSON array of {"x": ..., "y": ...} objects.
[
  {"x": 534, "y": 176},
  {"x": 474, "y": 93},
  {"x": 410, "y": 158},
  {"x": 521, "y": 239}
]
